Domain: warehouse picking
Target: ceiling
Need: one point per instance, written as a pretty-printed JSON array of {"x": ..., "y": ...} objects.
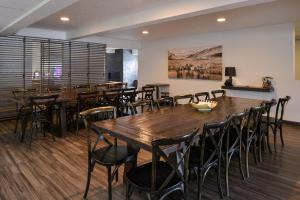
[
  {"x": 95, "y": 11},
  {"x": 280, "y": 11},
  {"x": 125, "y": 19},
  {"x": 10, "y": 10}
]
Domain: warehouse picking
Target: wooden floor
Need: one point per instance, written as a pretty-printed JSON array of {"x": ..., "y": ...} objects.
[{"x": 57, "y": 170}]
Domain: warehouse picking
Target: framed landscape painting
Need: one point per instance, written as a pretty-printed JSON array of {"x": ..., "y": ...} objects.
[{"x": 196, "y": 63}]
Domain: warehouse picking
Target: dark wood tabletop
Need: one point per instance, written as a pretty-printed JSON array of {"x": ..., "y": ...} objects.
[{"x": 142, "y": 129}]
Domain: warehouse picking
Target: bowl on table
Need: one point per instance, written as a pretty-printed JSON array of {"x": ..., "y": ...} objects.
[{"x": 204, "y": 105}]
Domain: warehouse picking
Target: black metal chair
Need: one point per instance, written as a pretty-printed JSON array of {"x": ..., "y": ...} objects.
[
  {"x": 265, "y": 125},
  {"x": 208, "y": 154},
  {"x": 111, "y": 155},
  {"x": 22, "y": 111},
  {"x": 147, "y": 93},
  {"x": 200, "y": 95},
  {"x": 162, "y": 176},
  {"x": 42, "y": 107},
  {"x": 233, "y": 143},
  {"x": 278, "y": 121},
  {"x": 251, "y": 134},
  {"x": 188, "y": 97},
  {"x": 216, "y": 93},
  {"x": 128, "y": 95},
  {"x": 85, "y": 101}
]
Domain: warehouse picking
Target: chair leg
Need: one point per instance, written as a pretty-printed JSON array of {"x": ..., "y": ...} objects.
[
  {"x": 199, "y": 182},
  {"x": 227, "y": 175},
  {"x": 261, "y": 140},
  {"x": 247, "y": 160},
  {"x": 127, "y": 190},
  {"x": 240, "y": 162},
  {"x": 275, "y": 138},
  {"x": 17, "y": 122},
  {"x": 219, "y": 180},
  {"x": 281, "y": 136},
  {"x": 268, "y": 141},
  {"x": 109, "y": 180},
  {"x": 89, "y": 175},
  {"x": 255, "y": 151}
]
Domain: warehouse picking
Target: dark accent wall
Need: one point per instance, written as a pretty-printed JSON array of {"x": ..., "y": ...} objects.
[
  {"x": 122, "y": 66},
  {"x": 114, "y": 65}
]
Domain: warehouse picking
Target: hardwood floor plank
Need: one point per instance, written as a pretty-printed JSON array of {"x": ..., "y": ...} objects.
[{"x": 57, "y": 170}]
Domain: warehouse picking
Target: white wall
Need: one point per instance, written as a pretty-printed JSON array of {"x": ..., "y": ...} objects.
[
  {"x": 255, "y": 52},
  {"x": 297, "y": 54}
]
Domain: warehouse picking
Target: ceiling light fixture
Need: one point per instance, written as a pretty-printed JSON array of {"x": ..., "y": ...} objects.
[
  {"x": 221, "y": 19},
  {"x": 65, "y": 19},
  {"x": 145, "y": 32}
]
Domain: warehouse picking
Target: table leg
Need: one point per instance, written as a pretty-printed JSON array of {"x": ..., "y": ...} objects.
[
  {"x": 157, "y": 92},
  {"x": 132, "y": 161}
]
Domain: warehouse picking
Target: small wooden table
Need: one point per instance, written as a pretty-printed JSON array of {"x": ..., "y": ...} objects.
[{"x": 140, "y": 130}]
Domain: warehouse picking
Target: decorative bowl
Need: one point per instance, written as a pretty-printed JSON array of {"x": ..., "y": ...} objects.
[{"x": 204, "y": 105}]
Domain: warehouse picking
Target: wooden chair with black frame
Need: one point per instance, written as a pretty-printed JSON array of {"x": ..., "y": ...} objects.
[
  {"x": 278, "y": 121},
  {"x": 232, "y": 143},
  {"x": 204, "y": 95},
  {"x": 163, "y": 175},
  {"x": 251, "y": 134},
  {"x": 23, "y": 111},
  {"x": 208, "y": 154},
  {"x": 102, "y": 148},
  {"x": 188, "y": 98},
  {"x": 42, "y": 107},
  {"x": 146, "y": 100},
  {"x": 265, "y": 126},
  {"x": 85, "y": 101},
  {"x": 218, "y": 93}
]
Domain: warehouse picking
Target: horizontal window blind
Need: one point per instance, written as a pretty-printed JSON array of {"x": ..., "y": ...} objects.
[{"x": 28, "y": 62}]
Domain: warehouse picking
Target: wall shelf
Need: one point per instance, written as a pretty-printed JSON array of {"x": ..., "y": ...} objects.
[{"x": 248, "y": 88}]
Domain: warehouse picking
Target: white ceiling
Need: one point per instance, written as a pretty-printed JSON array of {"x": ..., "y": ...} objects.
[
  {"x": 95, "y": 11},
  {"x": 10, "y": 10},
  {"x": 125, "y": 19},
  {"x": 280, "y": 11}
]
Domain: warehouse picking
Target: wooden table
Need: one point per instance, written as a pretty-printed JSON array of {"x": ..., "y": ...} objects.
[
  {"x": 64, "y": 99},
  {"x": 140, "y": 130}
]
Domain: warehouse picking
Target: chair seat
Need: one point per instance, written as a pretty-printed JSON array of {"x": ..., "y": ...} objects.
[
  {"x": 111, "y": 155},
  {"x": 141, "y": 176}
]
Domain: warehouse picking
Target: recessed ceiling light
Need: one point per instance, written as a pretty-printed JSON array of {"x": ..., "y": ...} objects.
[
  {"x": 221, "y": 19},
  {"x": 145, "y": 32},
  {"x": 65, "y": 19}
]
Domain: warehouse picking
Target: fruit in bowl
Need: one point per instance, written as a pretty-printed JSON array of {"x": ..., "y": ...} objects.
[{"x": 204, "y": 105}]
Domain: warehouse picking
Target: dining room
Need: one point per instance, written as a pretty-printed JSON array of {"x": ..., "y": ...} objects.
[{"x": 149, "y": 99}]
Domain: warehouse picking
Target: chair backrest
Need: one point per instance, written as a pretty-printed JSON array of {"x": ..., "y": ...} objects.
[
  {"x": 82, "y": 88},
  {"x": 112, "y": 96},
  {"x": 147, "y": 92},
  {"x": 179, "y": 167},
  {"x": 128, "y": 95},
  {"x": 43, "y": 103},
  {"x": 281, "y": 105},
  {"x": 211, "y": 143},
  {"x": 253, "y": 121},
  {"x": 237, "y": 124},
  {"x": 135, "y": 83},
  {"x": 188, "y": 97},
  {"x": 87, "y": 100},
  {"x": 96, "y": 114},
  {"x": 268, "y": 106},
  {"x": 216, "y": 93},
  {"x": 202, "y": 94}
]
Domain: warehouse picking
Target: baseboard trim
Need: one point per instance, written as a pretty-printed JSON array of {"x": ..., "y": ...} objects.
[{"x": 292, "y": 123}]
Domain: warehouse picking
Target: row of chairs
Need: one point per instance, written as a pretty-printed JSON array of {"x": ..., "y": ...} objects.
[{"x": 217, "y": 145}]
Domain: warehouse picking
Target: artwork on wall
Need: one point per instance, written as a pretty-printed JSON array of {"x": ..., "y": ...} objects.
[{"x": 196, "y": 63}]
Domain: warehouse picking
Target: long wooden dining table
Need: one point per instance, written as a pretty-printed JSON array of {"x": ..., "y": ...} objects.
[{"x": 140, "y": 130}]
